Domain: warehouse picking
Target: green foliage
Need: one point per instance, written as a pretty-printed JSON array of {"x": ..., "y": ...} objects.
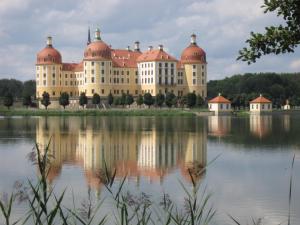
[
  {"x": 45, "y": 101},
  {"x": 140, "y": 100},
  {"x": 29, "y": 88},
  {"x": 170, "y": 99},
  {"x": 64, "y": 99},
  {"x": 148, "y": 99},
  {"x": 15, "y": 87},
  {"x": 27, "y": 101},
  {"x": 8, "y": 100},
  {"x": 117, "y": 101},
  {"x": 129, "y": 99},
  {"x": 123, "y": 99},
  {"x": 96, "y": 99},
  {"x": 241, "y": 89},
  {"x": 199, "y": 101},
  {"x": 276, "y": 39},
  {"x": 159, "y": 99},
  {"x": 110, "y": 99},
  {"x": 83, "y": 100},
  {"x": 191, "y": 100}
]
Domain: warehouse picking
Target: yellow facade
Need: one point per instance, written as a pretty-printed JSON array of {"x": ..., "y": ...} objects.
[{"x": 117, "y": 73}]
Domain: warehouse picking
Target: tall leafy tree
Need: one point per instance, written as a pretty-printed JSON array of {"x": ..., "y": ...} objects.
[
  {"x": 148, "y": 99},
  {"x": 64, "y": 99},
  {"x": 129, "y": 99},
  {"x": 83, "y": 100},
  {"x": 27, "y": 101},
  {"x": 140, "y": 100},
  {"x": 110, "y": 99},
  {"x": 159, "y": 99},
  {"x": 123, "y": 99},
  {"x": 191, "y": 100},
  {"x": 45, "y": 101},
  {"x": 8, "y": 100},
  {"x": 170, "y": 99},
  {"x": 29, "y": 88},
  {"x": 199, "y": 101},
  {"x": 276, "y": 39},
  {"x": 96, "y": 99}
]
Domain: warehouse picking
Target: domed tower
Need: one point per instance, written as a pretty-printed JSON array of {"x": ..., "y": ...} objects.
[
  {"x": 48, "y": 70},
  {"x": 97, "y": 65},
  {"x": 193, "y": 59}
]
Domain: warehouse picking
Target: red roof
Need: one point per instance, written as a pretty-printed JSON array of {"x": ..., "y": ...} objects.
[
  {"x": 193, "y": 54},
  {"x": 125, "y": 58},
  {"x": 219, "y": 99},
  {"x": 69, "y": 66},
  {"x": 156, "y": 55},
  {"x": 261, "y": 99},
  {"x": 49, "y": 55}
]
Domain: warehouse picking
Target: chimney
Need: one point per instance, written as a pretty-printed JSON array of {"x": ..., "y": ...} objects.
[
  {"x": 193, "y": 39},
  {"x": 137, "y": 46},
  {"x": 49, "y": 41},
  {"x": 161, "y": 47},
  {"x": 150, "y": 48}
]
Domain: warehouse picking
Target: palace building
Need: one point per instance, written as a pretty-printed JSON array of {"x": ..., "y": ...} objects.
[{"x": 105, "y": 70}]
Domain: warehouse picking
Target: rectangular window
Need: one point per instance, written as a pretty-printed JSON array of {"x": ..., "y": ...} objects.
[
  {"x": 172, "y": 71},
  {"x": 127, "y": 80},
  {"x": 159, "y": 65},
  {"x": 66, "y": 75},
  {"x": 93, "y": 79},
  {"x": 127, "y": 73},
  {"x": 102, "y": 71},
  {"x": 194, "y": 81},
  {"x": 166, "y": 71},
  {"x": 93, "y": 63},
  {"x": 44, "y": 82},
  {"x": 136, "y": 92},
  {"x": 166, "y": 80},
  {"x": 122, "y": 72},
  {"x": 136, "y": 80},
  {"x": 159, "y": 80},
  {"x": 53, "y": 93},
  {"x": 53, "y": 75},
  {"x": 159, "y": 71},
  {"x": 53, "y": 82},
  {"x": 102, "y": 91},
  {"x": 166, "y": 64},
  {"x": 93, "y": 71},
  {"x": 102, "y": 63},
  {"x": 102, "y": 79},
  {"x": 194, "y": 74},
  {"x": 194, "y": 66},
  {"x": 172, "y": 80}
]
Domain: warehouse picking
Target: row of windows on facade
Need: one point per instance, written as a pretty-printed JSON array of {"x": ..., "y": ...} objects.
[
  {"x": 121, "y": 80},
  {"x": 222, "y": 106},
  {"x": 268, "y": 106}
]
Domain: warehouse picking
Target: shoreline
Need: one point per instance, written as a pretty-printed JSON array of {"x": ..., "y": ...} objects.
[{"x": 128, "y": 112}]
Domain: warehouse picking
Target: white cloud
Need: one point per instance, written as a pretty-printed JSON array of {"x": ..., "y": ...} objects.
[{"x": 295, "y": 64}]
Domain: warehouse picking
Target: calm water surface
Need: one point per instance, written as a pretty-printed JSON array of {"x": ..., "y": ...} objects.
[{"x": 249, "y": 179}]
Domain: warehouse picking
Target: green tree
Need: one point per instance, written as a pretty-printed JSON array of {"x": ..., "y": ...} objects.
[
  {"x": 29, "y": 88},
  {"x": 276, "y": 39},
  {"x": 45, "y": 101},
  {"x": 27, "y": 101},
  {"x": 83, "y": 100},
  {"x": 129, "y": 99},
  {"x": 110, "y": 99},
  {"x": 159, "y": 99},
  {"x": 170, "y": 99},
  {"x": 182, "y": 100},
  {"x": 96, "y": 99},
  {"x": 123, "y": 99},
  {"x": 191, "y": 100},
  {"x": 117, "y": 101},
  {"x": 140, "y": 100},
  {"x": 8, "y": 100},
  {"x": 64, "y": 99},
  {"x": 199, "y": 101},
  {"x": 148, "y": 99}
]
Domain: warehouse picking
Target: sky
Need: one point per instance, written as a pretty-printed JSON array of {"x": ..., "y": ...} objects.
[{"x": 221, "y": 26}]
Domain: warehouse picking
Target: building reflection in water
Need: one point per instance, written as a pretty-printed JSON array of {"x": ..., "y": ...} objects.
[
  {"x": 260, "y": 125},
  {"x": 135, "y": 147},
  {"x": 219, "y": 126},
  {"x": 287, "y": 122}
]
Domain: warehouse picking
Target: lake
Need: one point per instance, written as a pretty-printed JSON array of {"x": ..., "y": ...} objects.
[{"x": 249, "y": 178}]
